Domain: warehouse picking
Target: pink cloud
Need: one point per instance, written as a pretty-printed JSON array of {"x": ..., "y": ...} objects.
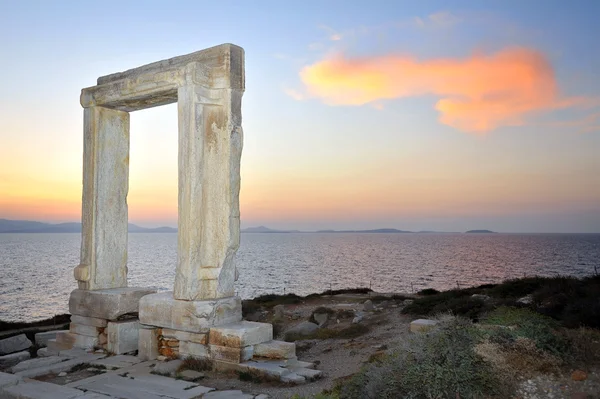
[{"x": 476, "y": 94}]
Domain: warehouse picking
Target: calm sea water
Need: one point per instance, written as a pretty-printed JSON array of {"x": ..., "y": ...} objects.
[{"x": 36, "y": 270}]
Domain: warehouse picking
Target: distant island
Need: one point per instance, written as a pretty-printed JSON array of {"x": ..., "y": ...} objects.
[
  {"x": 480, "y": 231},
  {"x": 26, "y": 226}
]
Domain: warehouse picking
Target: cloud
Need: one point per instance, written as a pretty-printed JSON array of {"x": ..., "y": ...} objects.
[
  {"x": 441, "y": 19},
  {"x": 332, "y": 34},
  {"x": 477, "y": 94},
  {"x": 295, "y": 94}
]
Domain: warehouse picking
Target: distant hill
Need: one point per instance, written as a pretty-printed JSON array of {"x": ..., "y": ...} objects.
[
  {"x": 26, "y": 226},
  {"x": 480, "y": 231},
  {"x": 263, "y": 229}
]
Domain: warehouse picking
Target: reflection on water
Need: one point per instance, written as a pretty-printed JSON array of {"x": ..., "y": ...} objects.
[{"x": 36, "y": 270}]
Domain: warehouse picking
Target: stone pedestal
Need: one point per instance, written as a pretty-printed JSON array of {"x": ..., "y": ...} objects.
[{"x": 95, "y": 319}]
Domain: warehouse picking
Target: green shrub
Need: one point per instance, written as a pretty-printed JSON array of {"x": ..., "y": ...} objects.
[
  {"x": 457, "y": 302},
  {"x": 517, "y": 288},
  {"x": 439, "y": 364},
  {"x": 529, "y": 324}
]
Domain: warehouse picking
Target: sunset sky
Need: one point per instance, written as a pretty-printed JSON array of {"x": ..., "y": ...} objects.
[{"x": 428, "y": 115}]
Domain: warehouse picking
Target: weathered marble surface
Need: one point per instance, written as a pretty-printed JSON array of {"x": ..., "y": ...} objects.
[
  {"x": 219, "y": 67},
  {"x": 14, "y": 344},
  {"x": 103, "y": 261},
  {"x": 208, "y": 86},
  {"x": 162, "y": 310},
  {"x": 238, "y": 335},
  {"x": 106, "y": 304}
]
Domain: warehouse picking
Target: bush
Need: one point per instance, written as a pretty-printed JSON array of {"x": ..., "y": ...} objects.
[
  {"x": 428, "y": 291},
  {"x": 440, "y": 364},
  {"x": 536, "y": 327},
  {"x": 457, "y": 302},
  {"x": 517, "y": 288}
]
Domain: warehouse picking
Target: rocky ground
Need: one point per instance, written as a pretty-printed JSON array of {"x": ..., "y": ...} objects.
[{"x": 356, "y": 330}]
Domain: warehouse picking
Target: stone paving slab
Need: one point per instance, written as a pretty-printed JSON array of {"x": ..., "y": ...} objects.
[
  {"x": 39, "y": 390},
  {"x": 13, "y": 359},
  {"x": 227, "y": 395},
  {"x": 38, "y": 362},
  {"x": 7, "y": 380},
  {"x": 145, "y": 387},
  {"x": 58, "y": 367},
  {"x": 119, "y": 361}
]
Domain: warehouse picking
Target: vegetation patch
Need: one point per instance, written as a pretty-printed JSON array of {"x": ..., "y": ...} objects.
[
  {"x": 440, "y": 364},
  {"x": 428, "y": 291},
  {"x": 195, "y": 364},
  {"x": 527, "y": 324},
  {"x": 571, "y": 301},
  {"x": 352, "y": 331}
]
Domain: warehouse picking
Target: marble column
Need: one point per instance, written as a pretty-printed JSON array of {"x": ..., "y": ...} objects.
[
  {"x": 210, "y": 147},
  {"x": 103, "y": 261}
]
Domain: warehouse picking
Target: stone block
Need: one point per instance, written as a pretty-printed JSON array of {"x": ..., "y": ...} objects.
[
  {"x": 275, "y": 350},
  {"x": 422, "y": 325},
  {"x": 231, "y": 355},
  {"x": 69, "y": 340},
  {"x": 11, "y": 359},
  {"x": 232, "y": 394},
  {"x": 81, "y": 329},
  {"x": 42, "y": 338},
  {"x": 122, "y": 336},
  {"x": 167, "y": 368},
  {"x": 107, "y": 304},
  {"x": 185, "y": 336},
  {"x": 148, "y": 343},
  {"x": 55, "y": 346},
  {"x": 39, "y": 390},
  {"x": 193, "y": 349},
  {"x": 36, "y": 363},
  {"x": 7, "y": 380},
  {"x": 14, "y": 344},
  {"x": 238, "y": 335},
  {"x": 44, "y": 352},
  {"x": 84, "y": 342},
  {"x": 89, "y": 321},
  {"x": 162, "y": 310},
  {"x": 190, "y": 375}
]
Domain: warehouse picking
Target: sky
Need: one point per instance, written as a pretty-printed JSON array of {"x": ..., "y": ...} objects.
[{"x": 429, "y": 115}]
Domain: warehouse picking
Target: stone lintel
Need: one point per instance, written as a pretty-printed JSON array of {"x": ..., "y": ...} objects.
[
  {"x": 162, "y": 310},
  {"x": 107, "y": 304},
  {"x": 238, "y": 335},
  {"x": 219, "y": 67}
]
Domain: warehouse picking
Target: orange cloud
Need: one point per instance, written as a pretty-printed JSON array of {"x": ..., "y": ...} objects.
[{"x": 478, "y": 94}]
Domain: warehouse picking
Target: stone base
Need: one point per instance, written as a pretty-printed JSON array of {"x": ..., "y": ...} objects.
[
  {"x": 162, "y": 310},
  {"x": 107, "y": 304},
  {"x": 122, "y": 336}
]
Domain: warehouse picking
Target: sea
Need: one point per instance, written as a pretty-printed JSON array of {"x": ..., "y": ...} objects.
[{"x": 36, "y": 270}]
